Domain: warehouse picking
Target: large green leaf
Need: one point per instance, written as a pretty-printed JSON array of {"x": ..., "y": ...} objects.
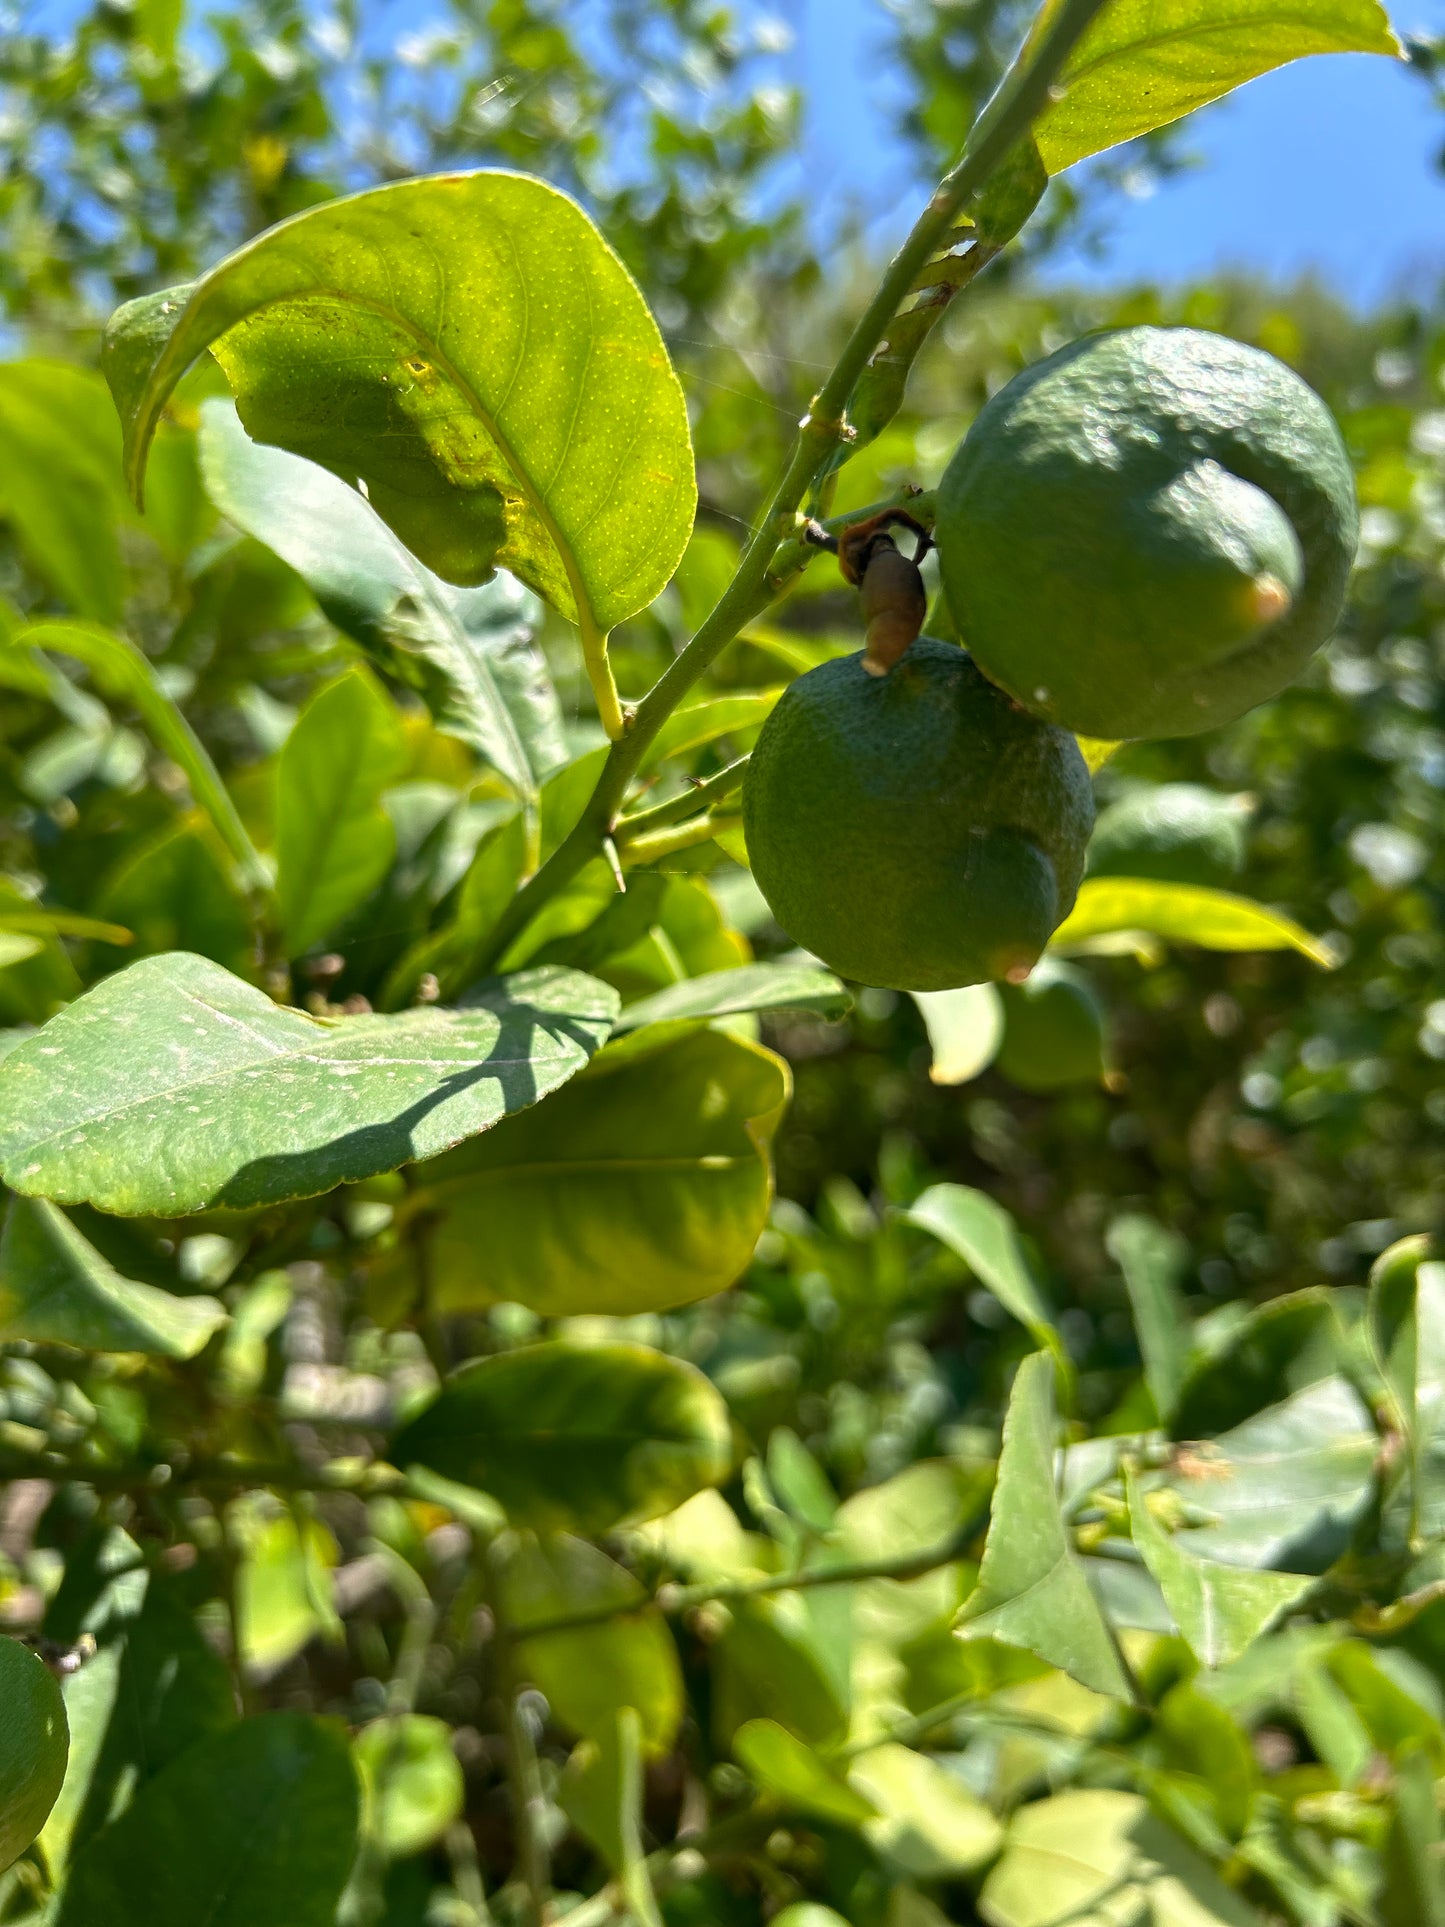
[
  {"x": 151, "y": 1689},
  {"x": 1144, "y": 63},
  {"x": 1031, "y": 1588},
  {"x": 1283, "y": 1490},
  {"x": 62, "y": 491},
  {"x": 173, "y": 1086},
  {"x": 178, "y": 891},
  {"x": 57, "y": 1289},
  {"x": 251, "y": 1827},
  {"x": 1220, "y": 1610},
  {"x": 983, "y": 1234},
  {"x": 576, "y": 1437},
  {"x": 334, "y": 841},
  {"x": 646, "y": 1187},
  {"x": 469, "y": 651},
  {"x": 1186, "y": 913},
  {"x": 471, "y": 349},
  {"x": 589, "y": 1674},
  {"x": 1099, "y": 1858},
  {"x": 1257, "y": 1359},
  {"x": 34, "y": 1741},
  {"x": 126, "y": 675}
]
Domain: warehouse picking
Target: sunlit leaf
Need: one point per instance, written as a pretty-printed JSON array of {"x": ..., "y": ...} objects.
[
  {"x": 965, "y": 1029},
  {"x": 251, "y": 1827},
  {"x": 471, "y": 349},
  {"x": 62, "y": 492},
  {"x": 1152, "y": 1259},
  {"x": 1031, "y": 1588},
  {"x": 57, "y": 1289},
  {"x": 172, "y": 1086},
  {"x": 576, "y": 1437},
  {"x": 983, "y": 1234},
  {"x": 1099, "y": 1858},
  {"x": 1220, "y": 1610},
  {"x": 1145, "y": 63},
  {"x": 727, "y": 993},
  {"x": 929, "y": 1825},
  {"x": 648, "y": 1187},
  {"x": 34, "y": 1741},
  {"x": 283, "y": 1583},
  {"x": 1184, "y": 913},
  {"x": 334, "y": 842},
  {"x": 589, "y": 1674},
  {"x": 781, "y": 1764},
  {"x": 412, "y": 1786},
  {"x": 470, "y": 651}
]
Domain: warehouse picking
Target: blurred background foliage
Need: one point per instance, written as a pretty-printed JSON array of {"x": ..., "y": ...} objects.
[{"x": 1283, "y": 1124}]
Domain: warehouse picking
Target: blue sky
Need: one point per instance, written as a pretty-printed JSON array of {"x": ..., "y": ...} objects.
[{"x": 1325, "y": 165}]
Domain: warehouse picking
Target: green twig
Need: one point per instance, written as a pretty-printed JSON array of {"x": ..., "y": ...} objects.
[{"x": 823, "y": 430}]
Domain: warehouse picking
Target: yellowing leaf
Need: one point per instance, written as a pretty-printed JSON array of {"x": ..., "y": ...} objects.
[
  {"x": 1144, "y": 63},
  {"x": 1187, "y": 913}
]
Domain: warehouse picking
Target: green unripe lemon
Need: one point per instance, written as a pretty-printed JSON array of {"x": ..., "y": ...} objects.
[
  {"x": 34, "y": 1745},
  {"x": 917, "y": 830},
  {"x": 1172, "y": 833},
  {"x": 1053, "y": 1032},
  {"x": 1148, "y": 533}
]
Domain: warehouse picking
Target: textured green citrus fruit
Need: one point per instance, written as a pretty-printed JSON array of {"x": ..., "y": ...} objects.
[
  {"x": 1053, "y": 1034},
  {"x": 1148, "y": 533},
  {"x": 1172, "y": 833},
  {"x": 34, "y": 1745},
  {"x": 916, "y": 830}
]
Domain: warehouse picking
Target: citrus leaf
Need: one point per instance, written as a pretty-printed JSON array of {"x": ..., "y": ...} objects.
[
  {"x": 573, "y": 1437},
  {"x": 251, "y": 1827},
  {"x": 57, "y": 1289},
  {"x": 965, "y": 1029},
  {"x": 469, "y": 651},
  {"x": 1187, "y": 913},
  {"x": 1285, "y": 1489},
  {"x": 173, "y": 1086},
  {"x": 125, "y": 675},
  {"x": 1153, "y": 1260},
  {"x": 781, "y": 1764},
  {"x": 728, "y": 993},
  {"x": 1097, "y": 1858},
  {"x": 696, "y": 724},
  {"x": 929, "y": 1825},
  {"x": 65, "y": 500},
  {"x": 1144, "y": 63},
  {"x": 1220, "y": 1610},
  {"x": 602, "y": 1793},
  {"x": 1031, "y": 1588},
  {"x": 983, "y": 1234},
  {"x": 151, "y": 1689},
  {"x": 412, "y": 1786},
  {"x": 589, "y": 1675},
  {"x": 646, "y": 1187},
  {"x": 334, "y": 841},
  {"x": 469, "y": 347},
  {"x": 34, "y": 1743}
]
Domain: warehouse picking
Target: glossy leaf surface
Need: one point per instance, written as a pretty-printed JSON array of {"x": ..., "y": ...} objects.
[
  {"x": 729, "y": 993},
  {"x": 334, "y": 842},
  {"x": 1145, "y": 63},
  {"x": 1031, "y": 1588},
  {"x": 469, "y": 651},
  {"x": 983, "y": 1234},
  {"x": 173, "y": 1086},
  {"x": 575, "y": 1437},
  {"x": 251, "y": 1827},
  {"x": 57, "y": 1289},
  {"x": 471, "y": 349},
  {"x": 1184, "y": 913},
  {"x": 647, "y": 1187},
  {"x": 34, "y": 1741}
]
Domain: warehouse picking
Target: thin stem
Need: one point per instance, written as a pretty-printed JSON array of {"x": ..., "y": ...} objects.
[
  {"x": 683, "y": 836},
  {"x": 1008, "y": 115},
  {"x": 524, "y": 1772},
  {"x": 604, "y": 686},
  {"x": 678, "y": 809}
]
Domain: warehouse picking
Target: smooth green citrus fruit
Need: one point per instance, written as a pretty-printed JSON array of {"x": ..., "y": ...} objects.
[
  {"x": 1172, "y": 833},
  {"x": 34, "y": 1745},
  {"x": 1053, "y": 1033},
  {"x": 916, "y": 830},
  {"x": 1148, "y": 533}
]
